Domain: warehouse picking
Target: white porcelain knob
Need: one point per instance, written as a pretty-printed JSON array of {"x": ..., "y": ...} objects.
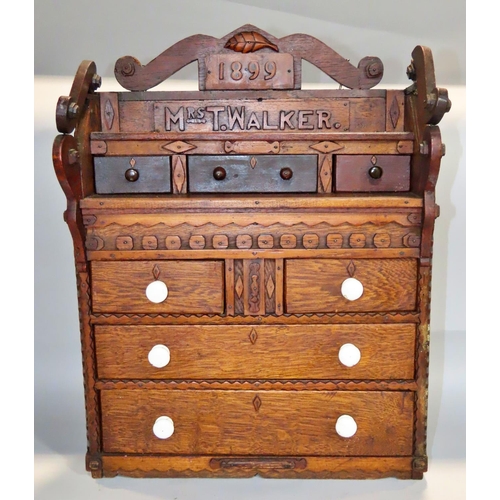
[
  {"x": 157, "y": 291},
  {"x": 352, "y": 289},
  {"x": 159, "y": 356},
  {"x": 346, "y": 426},
  {"x": 163, "y": 427},
  {"x": 349, "y": 355}
]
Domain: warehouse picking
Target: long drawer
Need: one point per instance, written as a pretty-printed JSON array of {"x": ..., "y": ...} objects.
[
  {"x": 176, "y": 286},
  {"x": 272, "y": 422},
  {"x": 255, "y": 352},
  {"x": 345, "y": 285}
]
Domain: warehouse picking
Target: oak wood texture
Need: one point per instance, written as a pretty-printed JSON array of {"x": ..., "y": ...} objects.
[
  {"x": 254, "y": 319},
  {"x": 273, "y": 422},
  {"x": 388, "y": 284},
  {"x": 268, "y": 467},
  {"x": 193, "y": 287},
  {"x": 276, "y": 352}
]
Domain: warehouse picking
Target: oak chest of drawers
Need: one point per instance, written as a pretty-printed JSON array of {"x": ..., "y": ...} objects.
[{"x": 253, "y": 261}]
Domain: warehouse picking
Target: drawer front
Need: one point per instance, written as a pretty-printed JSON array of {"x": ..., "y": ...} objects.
[
  {"x": 257, "y": 422},
  {"x": 194, "y": 287},
  {"x": 255, "y": 352},
  {"x": 372, "y": 173},
  {"x": 253, "y": 174},
  {"x": 126, "y": 174},
  {"x": 317, "y": 285}
]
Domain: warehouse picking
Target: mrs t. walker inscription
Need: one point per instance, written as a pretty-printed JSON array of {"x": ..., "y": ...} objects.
[{"x": 251, "y": 115}]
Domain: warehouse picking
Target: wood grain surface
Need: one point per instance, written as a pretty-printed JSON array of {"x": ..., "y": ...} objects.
[
  {"x": 256, "y": 351},
  {"x": 193, "y": 287},
  {"x": 257, "y": 422},
  {"x": 314, "y": 285}
]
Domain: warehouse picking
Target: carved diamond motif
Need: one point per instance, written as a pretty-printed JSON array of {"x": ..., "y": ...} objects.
[
  {"x": 394, "y": 112},
  {"x": 326, "y": 175},
  {"x": 326, "y": 146},
  {"x": 179, "y": 175},
  {"x": 109, "y": 114},
  {"x": 253, "y": 336},
  {"x": 239, "y": 286},
  {"x": 351, "y": 269},
  {"x": 270, "y": 287},
  {"x": 156, "y": 272},
  {"x": 253, "y": 162},
  {"x": 257, "y": 403},
  {"x": 178, "y": 146}
]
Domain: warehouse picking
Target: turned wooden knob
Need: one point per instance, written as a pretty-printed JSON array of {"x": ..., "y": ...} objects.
[
  {"x": 159, "y": 356},
  {"x": 346, "y": 426},
  {"x": 375, "y": 172},
  {"x": 219, "y": 174},
  {"x": 163, "y": 427},
  {"x": 156, "y": 291},
  {"x": 132, "y": 175},
  {"x": 286, "y": 173}
]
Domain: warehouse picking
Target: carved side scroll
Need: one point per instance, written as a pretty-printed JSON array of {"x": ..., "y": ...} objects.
[
  {"x": 244, "y": 41},
  {"x": 69, "y": 108}
]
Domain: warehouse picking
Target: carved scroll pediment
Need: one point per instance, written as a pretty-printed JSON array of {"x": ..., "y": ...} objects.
[{"x": 231, "y": 62}]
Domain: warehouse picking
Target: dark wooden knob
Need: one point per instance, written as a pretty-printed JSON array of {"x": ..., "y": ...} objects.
[
  {"x": 286, "y": 173},
  {"x": 219, "y": 174},
  {"x": 132, "y": 174},
  {"x": 375, "y": 172}
]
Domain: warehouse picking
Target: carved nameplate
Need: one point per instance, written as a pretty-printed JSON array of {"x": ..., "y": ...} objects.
[
  {"x": 251, "y": 115},
  {"x": 249, "y": 71}
]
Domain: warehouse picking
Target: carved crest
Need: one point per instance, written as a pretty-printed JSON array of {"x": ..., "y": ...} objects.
[{"x": 249, "y": 41}]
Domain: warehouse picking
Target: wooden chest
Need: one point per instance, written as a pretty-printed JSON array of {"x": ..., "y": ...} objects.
[{"x": 253, "y": 261}]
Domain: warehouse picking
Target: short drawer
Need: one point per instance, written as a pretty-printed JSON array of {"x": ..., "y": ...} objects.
[
  {"x": 127, "y": 174},
  {"x": 344, "y": 285},
  {"x": 372, "y": 173},
  {"x": 256, "y": 352},
  {"x": 194, "y": 287},
  {"x": 257, "y": 422},
  {"x": 253, "y": 174}
]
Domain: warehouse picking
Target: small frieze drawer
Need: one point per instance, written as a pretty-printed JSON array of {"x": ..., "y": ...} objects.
[
  {"x": 363, "y": 173},
  {"x": 127, "y": 174},
  {"x": 253, "y": 174}
]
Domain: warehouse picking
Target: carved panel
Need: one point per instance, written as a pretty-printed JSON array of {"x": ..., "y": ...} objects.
[
  {"x": 124, "y": 243},
  {"x": 357, "y": 240},
  {"x": 270, "y": 285},
  {"x": 232, "y": 236},
  {"x": 220, "y": 241},
  {"x": 249, "y": 71},
  {"x": 254, "y": 287},
  {"x": 149, "y": 243},
  {"x": 110, "y": 118},
  {"x": 179, "y": 174},
  {"x": 325, "y": 174},
  {"x": 172, "y": 242},
  {"x": 238, "y": 287}
]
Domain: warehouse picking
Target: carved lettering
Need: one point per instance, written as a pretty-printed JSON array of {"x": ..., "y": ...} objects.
[
  {"x": 266, "y": 125},
  {"x": 253, "y": 121},
  {"x": 303, "y": 120},
  {"x": 215, "y": 116},
  {"x": 236, "y": 115},
  {"x": 174, "y": 118},
  {"x": 323, "y": 117},
  {"x": 285, "y": 119},
  {"x": 215, "y": 110}
]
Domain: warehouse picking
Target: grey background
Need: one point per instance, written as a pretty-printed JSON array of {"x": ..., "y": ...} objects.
[{"x": 66, "y": 33}]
